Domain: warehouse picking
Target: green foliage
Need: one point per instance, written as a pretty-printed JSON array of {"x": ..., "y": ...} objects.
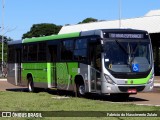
[
  {"x": 88, "y": 20},
  {"x": 43, "y": 29},
  {"x": 6, "y": 39}
]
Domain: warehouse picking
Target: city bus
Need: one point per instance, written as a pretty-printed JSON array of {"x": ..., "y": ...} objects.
[{"x": 103, "y": 61}]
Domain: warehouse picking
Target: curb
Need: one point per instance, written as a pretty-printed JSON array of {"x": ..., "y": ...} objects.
[
  {"x": 156, "y": 84},
  {"x": 3, "y": 79}
]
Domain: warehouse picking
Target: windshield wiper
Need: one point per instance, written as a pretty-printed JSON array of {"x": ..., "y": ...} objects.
[{"x": 121, "y": 46}]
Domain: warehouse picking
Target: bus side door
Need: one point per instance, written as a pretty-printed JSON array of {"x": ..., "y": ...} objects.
[
  {"x": 95, "y": 69},
  {"x": 53, "y": 59}
]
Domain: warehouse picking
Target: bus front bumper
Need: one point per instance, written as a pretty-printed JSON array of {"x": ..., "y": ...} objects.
[{"x": 132, "y": 89}]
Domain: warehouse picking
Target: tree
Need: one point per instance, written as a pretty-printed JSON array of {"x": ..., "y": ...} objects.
[
  {"x": 6, "y": 39},
  {"x": 88, "y": 20},
  {"x": 43, "y": 29}
]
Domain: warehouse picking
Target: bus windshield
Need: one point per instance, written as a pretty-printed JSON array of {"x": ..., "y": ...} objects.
[{"x": 127, "y": 55}]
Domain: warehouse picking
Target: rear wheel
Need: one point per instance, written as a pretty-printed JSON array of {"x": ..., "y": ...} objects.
[{"x": 30, "y": 84}]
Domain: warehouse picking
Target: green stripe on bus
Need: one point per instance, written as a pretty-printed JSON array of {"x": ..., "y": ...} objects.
[
  {"x": 52, "y": 37},
  {"x": 139, "y": 81}
]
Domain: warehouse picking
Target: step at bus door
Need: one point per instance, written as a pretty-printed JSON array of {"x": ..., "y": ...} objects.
[
  {"x": 95, "y": 80},
  {"x": 53, "y": 59},
  {"x": 18, "y": 67}
]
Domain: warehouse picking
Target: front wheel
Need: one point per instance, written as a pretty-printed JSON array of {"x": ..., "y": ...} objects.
[{"x": 80, "y": 89}]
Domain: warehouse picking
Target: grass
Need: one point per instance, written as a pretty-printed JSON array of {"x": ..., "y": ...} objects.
[{"x": 45, "y": 101}]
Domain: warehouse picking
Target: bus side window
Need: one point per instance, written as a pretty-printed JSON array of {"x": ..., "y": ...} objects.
[
  {"x": 67, "y": 50},
  {"x": 80, "y": 51},
  {"x": 53, "y": 52},
  {"x": 25, "y": 53},
  {"x": 32, "y": 52},
  {"x": 11, "y": 54},
  {"x": 42, "y": 52}
]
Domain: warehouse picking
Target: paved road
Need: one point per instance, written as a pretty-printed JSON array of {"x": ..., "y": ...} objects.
[
  {"x": 152, "y": 98},
  {"x": 4, "y": 85}
]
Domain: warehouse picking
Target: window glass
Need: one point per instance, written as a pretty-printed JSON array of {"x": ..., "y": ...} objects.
[
  {"x": 42, "y": 52},
  {"x": 124, "y": 56},
  {"x": 80, "y": 52},
  {"x": 81, "y": 43},
  {"x": 25, "y": 53},
  {"x": 68, "y": 43},
  {"x": 32, "y": 52},
  {"x": 67, "y": 50},
  {"x": 11, "y": 54}
]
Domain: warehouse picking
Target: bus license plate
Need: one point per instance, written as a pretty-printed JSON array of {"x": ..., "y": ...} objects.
[{"x": 132, "y": 91}]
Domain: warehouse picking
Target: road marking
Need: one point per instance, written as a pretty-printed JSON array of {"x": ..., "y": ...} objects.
[
  {"x": 135, "y": 103},
  {"x": 60, "y": 97},
  {"x": 149, "y": 105}
]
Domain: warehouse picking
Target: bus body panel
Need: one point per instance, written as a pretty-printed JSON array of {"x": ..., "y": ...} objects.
[
  {"x": 43, "y": 74},
  {"x": 38, "y": 71},
  {"x": 11, "y": 73},
  {"x": 65, "y": 75}
]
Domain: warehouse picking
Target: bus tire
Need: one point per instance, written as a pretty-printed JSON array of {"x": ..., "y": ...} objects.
[
  {"x": 80, "y": 90},
  {"x": 30, "y": 84}
]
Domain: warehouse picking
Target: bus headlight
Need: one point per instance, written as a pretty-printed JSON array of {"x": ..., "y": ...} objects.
[
  {"x": 151, "y": 79},
  {"x": 109, "y": 80}
]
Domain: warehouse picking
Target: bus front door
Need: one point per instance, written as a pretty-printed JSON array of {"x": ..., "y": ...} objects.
[
  {"x": 95, "y": 69},
  {"x": 18, "y": 67}
]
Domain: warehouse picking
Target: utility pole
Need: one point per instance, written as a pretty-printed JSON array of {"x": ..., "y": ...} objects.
[
  {"x": 120, "y": 13},
  {"x": 2, "y": 33}
]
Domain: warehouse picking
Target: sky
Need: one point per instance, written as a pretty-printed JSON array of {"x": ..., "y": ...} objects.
[{"x": 20, "y": 15}]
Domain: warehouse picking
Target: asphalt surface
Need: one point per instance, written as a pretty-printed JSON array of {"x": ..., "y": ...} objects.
[
  {"x": 4, "y": 86},
  {"x": 149, "y": 98}
]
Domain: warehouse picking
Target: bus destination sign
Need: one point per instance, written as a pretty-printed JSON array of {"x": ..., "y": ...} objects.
[{"x": 126, "y": 36}]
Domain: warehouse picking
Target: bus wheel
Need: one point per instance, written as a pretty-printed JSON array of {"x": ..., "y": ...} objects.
[
  {"x": 80, "y": 89},
  {"x": 30, "y": 85}
]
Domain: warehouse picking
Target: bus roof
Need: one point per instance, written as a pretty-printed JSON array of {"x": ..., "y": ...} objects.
[
  {"x": 52, "y": 37},
  {"x": 15, "y": 42},
  {"x": 77, "y": 34}
]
